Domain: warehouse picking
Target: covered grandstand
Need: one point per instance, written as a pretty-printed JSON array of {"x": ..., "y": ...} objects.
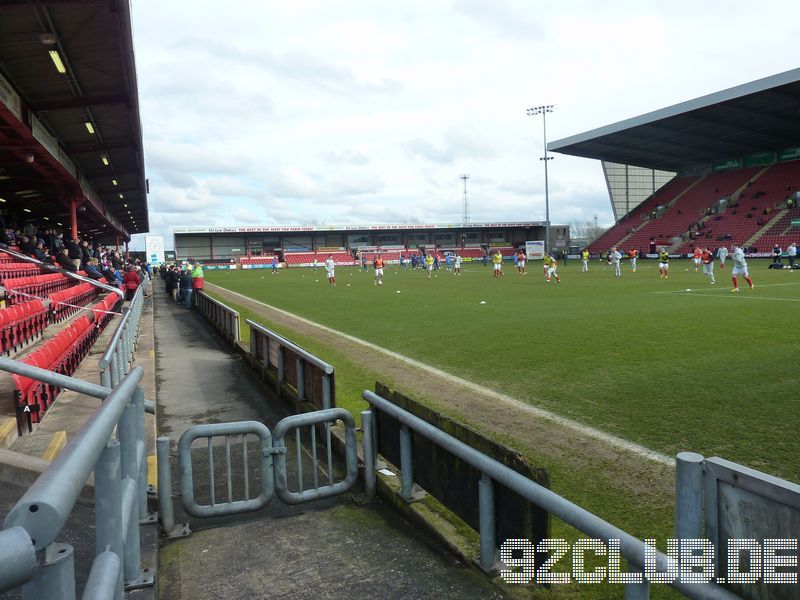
[
  {"x": 71, "y": 177},
  {"x": 301, "y": 245},
  {"x": 718, "y": 170}
]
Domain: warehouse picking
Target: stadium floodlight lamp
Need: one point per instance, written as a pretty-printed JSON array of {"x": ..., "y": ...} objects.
[
  {"x": 89, "y": 127},
  {"x": 114, "y": 182},
  {"x": 532, "y": 112},
  {"x": 27, "y": 210},
  {"x": 2, "y": 199},
  {"x": 104, "y": 160},
  {"x": 121, "y": 196}
]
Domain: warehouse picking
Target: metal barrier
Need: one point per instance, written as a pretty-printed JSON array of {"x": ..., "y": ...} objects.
[
  {"x": 311, "y": 420},
  {"x": 120, "y": 488},
  {"x": 272, "y": 473},
  {"x": 633, "y": 549},
  {"x": 117, "y": 358},
  {"x": 223, "y": 318},
  {"x": 56, "y": 269},
  {"x": 312, "y": 377}
]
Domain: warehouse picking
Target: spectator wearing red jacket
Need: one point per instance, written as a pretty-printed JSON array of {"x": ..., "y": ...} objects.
[{"x": 130, "y": 281}]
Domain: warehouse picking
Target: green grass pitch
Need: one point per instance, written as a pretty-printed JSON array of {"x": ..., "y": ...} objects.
[{"x": 672, "y": 364}]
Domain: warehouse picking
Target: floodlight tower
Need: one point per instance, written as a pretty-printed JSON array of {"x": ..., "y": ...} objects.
[
  {"x": 532, "y": 112},
  {"x": 464, "y": 177}
]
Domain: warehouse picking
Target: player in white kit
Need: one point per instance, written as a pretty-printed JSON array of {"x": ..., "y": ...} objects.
[
  {"x": 329, "y": 267},
  {"x": 615, "y": 258},
  {"x": 722, "y": 254},
  {"x": 739, "y": 268}
]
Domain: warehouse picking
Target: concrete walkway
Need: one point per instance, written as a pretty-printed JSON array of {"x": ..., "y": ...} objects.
[{"x": 334, "y": 548}]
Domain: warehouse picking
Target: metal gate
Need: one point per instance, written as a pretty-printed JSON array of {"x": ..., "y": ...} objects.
[{"x": 257, "y": 463}]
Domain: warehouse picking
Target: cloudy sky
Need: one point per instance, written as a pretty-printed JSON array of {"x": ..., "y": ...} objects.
[{"x": 350, "y": 111}]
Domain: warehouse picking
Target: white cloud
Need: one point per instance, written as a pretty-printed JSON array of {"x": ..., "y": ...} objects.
[{"x": 357, "y": 111}]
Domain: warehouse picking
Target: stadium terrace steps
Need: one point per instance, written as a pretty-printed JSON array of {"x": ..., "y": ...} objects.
[
  {"x": 42, "y": 343},
  {"x": 781, "y": 231},
  {"x": 669, "y": 193},
  {"x": 752, "y": 190},
  {"x": 768, "y": 225}
]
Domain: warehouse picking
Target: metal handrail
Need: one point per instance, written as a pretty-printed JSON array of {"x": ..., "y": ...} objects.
[
  {"x": 304, "y": 354},
  {"x": 632, "y": 548},
  {"x": 230, "y": 326},
  {"x": 120, "y": 486},
  {"x": 63, "y": 381},
  {"x": 117, "y": 358},
  {"x": 45, "y": 506},
  {"x": 55, "y": 269}
]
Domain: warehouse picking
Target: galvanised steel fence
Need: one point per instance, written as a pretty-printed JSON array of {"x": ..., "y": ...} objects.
[
  {"x": 221, "y": 317},
  {"x": 117, "y": 358},
  {"x": 633, "y": 549},
  {"x": 112, "y": 445},
  {"x": 311, "y": 377}
]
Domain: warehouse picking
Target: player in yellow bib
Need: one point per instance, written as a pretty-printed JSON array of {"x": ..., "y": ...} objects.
[
  {"x": 547, "y": 259},
  {"x": 497, "y": 262},
  {"x": 429, "y": 264}
]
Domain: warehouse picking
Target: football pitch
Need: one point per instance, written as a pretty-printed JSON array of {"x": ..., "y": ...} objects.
[{"x": 671, "y": 364}]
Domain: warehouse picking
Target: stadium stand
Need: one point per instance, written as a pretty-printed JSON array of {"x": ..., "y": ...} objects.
[
  {"x": 62, "y": 353},
  {"x": 754, "y": 194},
  {"x": 256, "y": 260},
  {"x": 21, "y": 323},
  {"x": 68, "y": 302}
]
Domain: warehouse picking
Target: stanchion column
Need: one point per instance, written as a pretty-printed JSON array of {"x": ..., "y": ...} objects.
[
  {"x": 108, "y": 505},
  {"x": 54, "y": 578},
  {"x": 688, "y": 495},
  {"x": 369, "y": 453}
]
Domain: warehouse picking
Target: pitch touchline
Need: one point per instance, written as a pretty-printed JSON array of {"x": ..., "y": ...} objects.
[{"x": 539, "y": 412}]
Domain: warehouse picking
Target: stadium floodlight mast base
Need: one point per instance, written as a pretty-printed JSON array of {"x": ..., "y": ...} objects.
[{"x": 532, "y": 112}]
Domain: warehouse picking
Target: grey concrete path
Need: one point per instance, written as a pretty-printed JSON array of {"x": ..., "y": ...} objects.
[{"x": 335, "y": 548}]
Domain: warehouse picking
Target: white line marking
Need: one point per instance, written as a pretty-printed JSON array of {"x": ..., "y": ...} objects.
[
  {"x": 739, "y": 295},
  {"x": 597, "y": 434}
]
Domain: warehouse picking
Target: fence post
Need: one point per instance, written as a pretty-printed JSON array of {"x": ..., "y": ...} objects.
[
  {"x": 54, "y": 578},
  {"x": 406, "y": 464},
  {"x": 369, "y": 452},
  {"x": 326, "y": 391},
  {"x": 487, "y": 523},
  {"x": 637, "y": 591},
  {"x": 688, "y": 495},
  {"x": 108, "y": 506},
  {"x": 141, "y": 454},
  {"x": 300, "y": 379},
  {"x": 281, "y": 369},
  {"x": 165, "y": 507}
]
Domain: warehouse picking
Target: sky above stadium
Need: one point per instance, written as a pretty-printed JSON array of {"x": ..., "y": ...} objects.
[{"x": 348, "y": 112}]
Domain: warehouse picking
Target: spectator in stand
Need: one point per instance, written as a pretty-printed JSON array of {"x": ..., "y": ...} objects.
[
  {"x": 33, "y": 249},
  {"x": 74, "y": 251},
  {"x": 30, "y": 230},
  {"x": 116, "y": 261},
  {"x": 65, "y": 262},
  {"x": 130, "y": 282},
  {"x": 92, "y": 269},
  {"x": 86, "y": 254}
]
